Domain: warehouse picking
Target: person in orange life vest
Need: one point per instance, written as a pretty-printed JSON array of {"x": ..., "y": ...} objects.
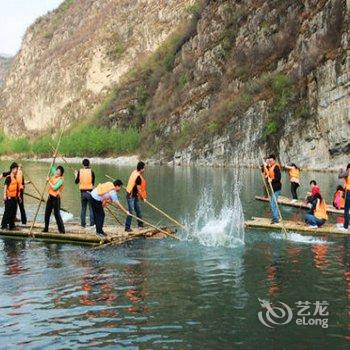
[
  {"x": 55, "y": 189},
  {"x": 274, "y": 177},
  {"x": 345, "y": 175},
  {"x": 136, "y": 191},
  {"x": 318, "y": 215},
  {"x": 11, "y": 193},
  {"x": 338, "y": 198},
  {"x": 294, "y": 176},
  {"x": 21, "y": 184},
  {"x": 85, "y": 177},
  {"x": 101, "y": 196}
]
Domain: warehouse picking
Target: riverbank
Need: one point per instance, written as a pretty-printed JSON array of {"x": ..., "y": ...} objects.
[{"x": 133, "y": 159}]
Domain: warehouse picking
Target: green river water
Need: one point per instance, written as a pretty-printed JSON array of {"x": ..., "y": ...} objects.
[{"x": 200, "y": 293}]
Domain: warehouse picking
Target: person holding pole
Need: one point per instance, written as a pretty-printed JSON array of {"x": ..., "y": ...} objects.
[
  {"x": 21, "y": 186},
  {"x": 11, "y": 194},
  {"x": 101, "y": 196},
  {"x": 85, "y": 177},
  {"x": 136, "y": 191},
  {"x": 55, "y": 190},
  {"x": 274, "y": 177}
]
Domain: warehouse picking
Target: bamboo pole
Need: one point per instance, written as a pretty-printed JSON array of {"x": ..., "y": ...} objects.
[
  {"x": 114, "y": 216},
  {"x": 64, "y": 160},
  {"x": 43, "y": 200},
  {"x": 272, "y": 197},
  {"x": 159, "y": 210},
  {"x": 48, "y": 174},
  {"x": 151, "y": 225},
  {"x": 31, "y": 182}
]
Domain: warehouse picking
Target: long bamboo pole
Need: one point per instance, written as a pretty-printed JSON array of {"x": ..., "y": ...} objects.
[
  {"x": 48, "y": 174},
  {"x": 43, "y": 200},
  {"x": 272, "y": 197},
  {"x": 159, "y": 210},
  {"x": 151, "y": 225},
  {"x": 31, "y": 182}
]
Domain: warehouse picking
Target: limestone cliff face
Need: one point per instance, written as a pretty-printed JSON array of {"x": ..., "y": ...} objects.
[
  {"x": 71, "y": 57},
  {"x": 5, "y": 64},
  {"x": 307, "y": 41}
]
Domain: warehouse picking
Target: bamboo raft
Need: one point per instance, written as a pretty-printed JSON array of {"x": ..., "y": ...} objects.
[
  {"x": 265, "y": 223},
  {"x": 299, "y": 204},
  {"x": 75, "y": 234}
]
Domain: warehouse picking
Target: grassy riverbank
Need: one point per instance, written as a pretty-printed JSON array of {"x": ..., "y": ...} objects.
[{"x": 82, "y": 141}]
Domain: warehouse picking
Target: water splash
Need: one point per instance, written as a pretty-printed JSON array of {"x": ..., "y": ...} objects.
[
  {"x": 223, "y": 227},
  {"x": 298, "y": 238}
]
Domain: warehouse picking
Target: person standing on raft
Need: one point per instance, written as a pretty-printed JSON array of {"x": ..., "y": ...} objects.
[
  {"x": 55, "y": 189},
  {"x": 318, "y": 214},
  {"x": 101, "y": 196},
  {"x": 85, "y": 177},
  {"x": 274, "y": 177},
  {"x": 294, "y": 177},
  {"x": 11, "y": 194},
  {"x": 345, "y": 174},
  {"x": 20, "y": 199},
  {"x": 136, "y": 191}
]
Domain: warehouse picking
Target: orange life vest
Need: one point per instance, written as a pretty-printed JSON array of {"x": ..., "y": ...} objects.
[
  {"x": 347, "y": 183},
  {"x": 271, "y": 171},
  {"x": 104, "y": 188},
  {"x": 132, "y": 182},
  {"x": 19, "y": 178},
  {"x": 85, "y": 179},
  {"x": 294, "y": 174},
  {"x": 53, "y": 181},
  {"x": 12, "y": 189},
  {"x": 321, "y": 210}
]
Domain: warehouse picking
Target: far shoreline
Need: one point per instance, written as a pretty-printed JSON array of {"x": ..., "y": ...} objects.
[{"x": 131, "y": 161}]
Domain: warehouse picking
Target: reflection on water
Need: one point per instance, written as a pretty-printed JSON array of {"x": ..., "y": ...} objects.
[{"x": 176, "y": 295}]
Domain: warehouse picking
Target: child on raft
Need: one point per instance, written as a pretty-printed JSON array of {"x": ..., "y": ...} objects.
[{"x": 339, "y": 198}]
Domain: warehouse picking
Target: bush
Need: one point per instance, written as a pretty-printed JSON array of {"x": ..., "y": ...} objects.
[
  {"x": 42, "y": 146},
  {"x": 20, "y": 145},
  {"x": 98, "y": 141}
]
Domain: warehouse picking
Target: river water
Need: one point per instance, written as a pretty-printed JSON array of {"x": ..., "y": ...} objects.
[{"x": 200, "y": 293}]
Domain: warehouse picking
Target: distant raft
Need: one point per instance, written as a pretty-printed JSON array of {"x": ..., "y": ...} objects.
[
  {"x": 299, "y": 204},
  {"x": 292, "y": 226},
  {"x": 75, "y": 234}
]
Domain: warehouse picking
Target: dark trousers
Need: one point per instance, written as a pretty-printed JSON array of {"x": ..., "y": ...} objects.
[
  {"x": 293, "y": 188},
  {"x": 99, "y": 215},
  {"x": 9, "y": 218},
  {"x": 346, "y": 209},
  {"x": 22, "y": 210},
  {"x": 54, "y": 203},
  {"x": 85, "y": 197},
  {"x": 133, "y": 206}
]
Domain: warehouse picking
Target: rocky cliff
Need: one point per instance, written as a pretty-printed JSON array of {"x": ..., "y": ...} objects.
[
  {"x": 206, "y": 82},
  {"x": 5, "y": 64},
  {"x": 74, "y": 55}
]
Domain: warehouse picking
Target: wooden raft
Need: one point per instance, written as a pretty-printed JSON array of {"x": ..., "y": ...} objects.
[
  {"x": 299, "y": 204},
  {"x": 75, "y": 234},
  {"x": 292, "y": 226}
]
